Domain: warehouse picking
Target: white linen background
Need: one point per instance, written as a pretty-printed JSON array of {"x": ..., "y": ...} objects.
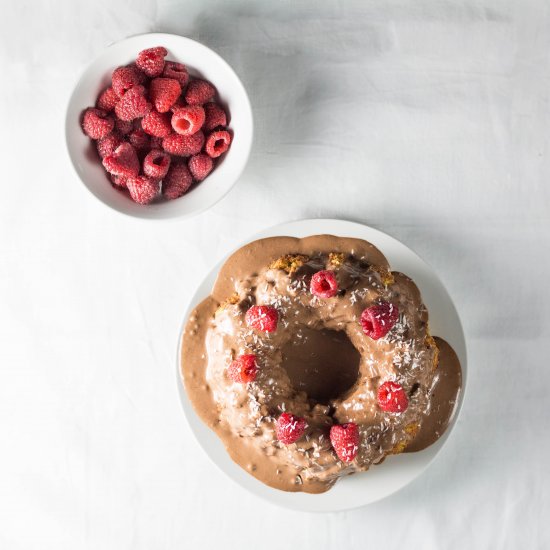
[{"x": 429, "y": 120}]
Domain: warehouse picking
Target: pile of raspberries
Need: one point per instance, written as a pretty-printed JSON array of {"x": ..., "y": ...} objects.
[{"x": 157, "y": 129}]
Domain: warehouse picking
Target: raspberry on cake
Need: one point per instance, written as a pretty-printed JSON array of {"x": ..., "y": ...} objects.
[
  {"x": 345, "y": 441},
  {"x": 263, "y": 318},
  {"x": 377, "y": 320},
  {"x": 290, "y": 428},
  {"x": 333, "y": 397},
  {"x": 324, "y": 284},
  {"x": 243, "y": 369}
]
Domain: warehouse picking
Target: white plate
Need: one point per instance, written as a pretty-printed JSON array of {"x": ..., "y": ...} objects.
[
  {"x": 396, "y": 471},
  {"x": 201, "y": 61}
]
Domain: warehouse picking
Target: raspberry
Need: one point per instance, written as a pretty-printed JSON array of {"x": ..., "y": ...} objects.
[
  {"x": 124, "y": 127},
  {"x": 139, "y": 140},
  {"x": 188, "y": 120},
  {"x": 262, "y": 318},
  {"x": 141, "y": 76},
  {"x": 199, "y": 92},
  {"x": 215, "y": 116},
  {"x": 177, "y": 71},
  {"x": 164, "y": 92},
  {"x": 156, "y": 164},
  {"x": 177, "y": 182},
  {"x": 156, "y": 142},
  {"x": 107, "y": 100},
  {"x": 290, "y": 428},
  {"x": 119, "y": 181},
  {"x": 378, "y": 320},
  {"x": 151, "y": 61},
  {"x": 243, "y": 369},
  {"x": 183, "y": 146},
  {"x": 97, "y": 123},
  {"x": 156, "y": 124},
  {"x": 217, "y": 143},
  {"x": 132, "y": 104},
  {"x": 392, "y": 397},
  {"x": 142, "y": 189},
  {"x": 123, "y": 79},
  {"x": 107, "y": 144},
  {"x": 122, "y": 162},
  {"x": 345, "y": 441},
  {"x": 200, "y": 166},
  {"x": 323, "y": 284}
]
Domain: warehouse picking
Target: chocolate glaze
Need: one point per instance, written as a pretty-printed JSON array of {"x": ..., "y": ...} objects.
[
  {"x": 444, "y": 394},
  {"x": 244, "y": 416}
]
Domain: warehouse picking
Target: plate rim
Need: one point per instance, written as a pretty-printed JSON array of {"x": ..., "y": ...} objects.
[{"x": 289, "y": 500}]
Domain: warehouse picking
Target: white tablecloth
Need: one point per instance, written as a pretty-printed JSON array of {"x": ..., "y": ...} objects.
[{"x": 429, "y": 120}]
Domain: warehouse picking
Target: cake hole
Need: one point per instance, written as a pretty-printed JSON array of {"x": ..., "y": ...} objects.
[{"x": 322, "y": 363}]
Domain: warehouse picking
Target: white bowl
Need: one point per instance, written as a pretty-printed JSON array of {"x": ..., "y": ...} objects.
[
  {"x": 202, "y": 62},
  {"x": 396, "y": 471}
]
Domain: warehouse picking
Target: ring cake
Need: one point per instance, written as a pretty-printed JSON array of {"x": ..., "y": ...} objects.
[{"x": 312, "y": 360}]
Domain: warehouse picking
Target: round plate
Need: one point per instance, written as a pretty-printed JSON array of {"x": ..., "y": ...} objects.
[
  {"x": 396, "y": 471},
  {"x": 201, "y": 62}
]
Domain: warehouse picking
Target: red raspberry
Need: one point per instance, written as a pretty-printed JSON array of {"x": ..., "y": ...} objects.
[
  {"x": 215, "y": 116},
  {"x": 119, "y": 181},
  {"x": 97, "y": 123},
  {"x": 107, "y": 144},
  {"x": 164, "y": 92},
  {"x": 177, "y": 71},
  {"x": 123, "y": 79},
  {"x": 141, "y": 76},
  {"x": 177, "y": 182},
  {"x": 156, "y": 124},
  {"x": 199, "y": 92},
  {"x": 290, "y": 428},
  {"x": 139, "y": 140},
  {"x": 345, "y": 441},
  {"x": 156, "y": 142},
  {"x": 183, "y": 146},
  {"x": 217, "y": 143},
  {"x": 262, "y": 318},
  {"x": 123, "y": 127},
  {"x": 392, "y": 397},
  {"x": 132, "y": 104},
  {"x": 324, "y": 284},
  {"x": 378, "y": 320},
  {"x": 243, "y": 369},
  {"x": 142, "y": 189},
  {"x": 151, "y": 61},
  {"x": 188, "y": 120},
  {"x": 200, "y": 166},
  {"x": 107, "y": 100},
  {"x": 156, "y": 164},
  {"x": 122, "y": 162}
]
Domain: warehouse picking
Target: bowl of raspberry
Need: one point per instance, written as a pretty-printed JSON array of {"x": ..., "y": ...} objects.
[{"x": 159, "y": 127}]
